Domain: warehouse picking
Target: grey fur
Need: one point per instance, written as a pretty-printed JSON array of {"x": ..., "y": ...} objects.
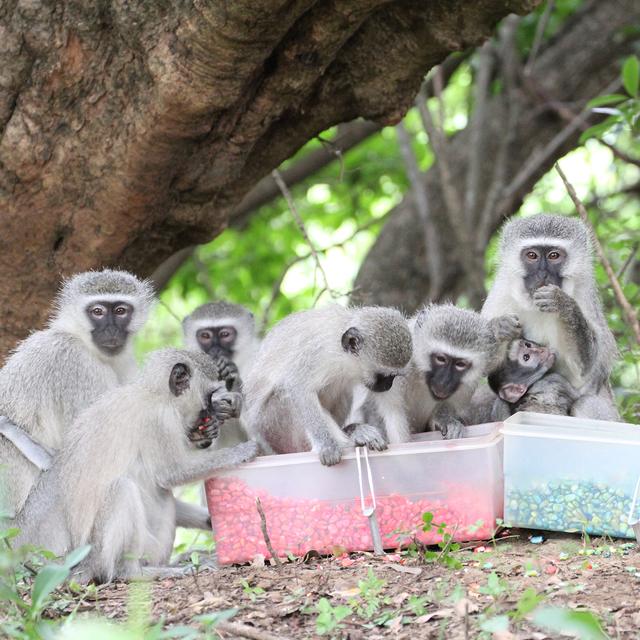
[
  {"x": 55, "y": 373},
  {"x": 300, "y": 390},
  {"x": 244, "y": 349},
  {"x": 409, "y": 406},
  {"x": 569, "y": 319},
  {"x": 110, "y": 483}
]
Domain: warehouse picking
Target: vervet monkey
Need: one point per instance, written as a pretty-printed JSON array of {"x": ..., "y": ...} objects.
[
  {"x": 223, "y": 328},
  {"x": 453, "y": 349},
  {"x": 300, "y": 389},
  {"x": 545, "y": 276},
  {"x": 522, "y": 383},
  {"x": 55, "y": 373},
  {"x": 110, "y": 482},
  {"x": 225, "y": 331}
]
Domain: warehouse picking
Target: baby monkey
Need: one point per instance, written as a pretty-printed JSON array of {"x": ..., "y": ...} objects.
[{"x": 523, "y": 384}]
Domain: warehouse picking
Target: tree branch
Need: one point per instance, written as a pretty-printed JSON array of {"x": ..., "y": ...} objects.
[
  {"x": 628, "y": 311},
  {"x": 432, "y": 248}
]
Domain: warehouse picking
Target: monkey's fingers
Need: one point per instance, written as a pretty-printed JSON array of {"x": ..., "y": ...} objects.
[{"x": 330, "y": 456}]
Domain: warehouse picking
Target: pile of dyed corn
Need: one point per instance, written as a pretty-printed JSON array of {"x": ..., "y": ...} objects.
[
  {"x": 298, "y": 525},
  {"x": 570, "y": 506}
]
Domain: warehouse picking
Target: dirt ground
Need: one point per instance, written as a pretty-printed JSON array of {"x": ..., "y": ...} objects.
[{"x": 401, "y": 596}]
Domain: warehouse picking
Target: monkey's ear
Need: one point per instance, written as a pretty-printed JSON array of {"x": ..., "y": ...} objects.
[
  {"x": 352, "y": 341},
  {"x": 179, "y": 379},
  {"x": 512, "y": 392}
]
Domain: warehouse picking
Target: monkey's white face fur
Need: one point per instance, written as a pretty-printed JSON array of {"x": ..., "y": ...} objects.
[
  {"x": 568, "y": 234},
  {"x": 84, "y": 289},
  {"x": 462, "y": 336}
]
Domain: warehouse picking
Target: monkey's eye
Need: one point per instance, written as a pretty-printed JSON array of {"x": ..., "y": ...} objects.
[
  {"x": 440, "y": 359},
  {"x": 461, "y": 365},
  {"x": 224, "y": 334},
  {"x": 526, "y": 357},
  {"x": 205, "y": 335},
  {"x": 553, "y": 255},
  {"x": 120, "y": 311},
  {"x": 532, "y": 255},
  {"x": 98, "y": 312}
]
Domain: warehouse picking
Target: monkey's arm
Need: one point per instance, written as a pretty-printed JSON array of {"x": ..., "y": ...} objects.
[
  {"x": 391, "y": 407},
  {"x": 503, "y": 329},
  {"x": 192, "y": 516},
  {"x": 188, "y": 465},
  {"x": 551, "y": 299}
]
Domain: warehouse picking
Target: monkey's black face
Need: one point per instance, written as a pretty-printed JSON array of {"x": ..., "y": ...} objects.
[
  {"x": 110, "y": 322},
  {"x": 217, "y": 340},
  {"x": 382, "y": 382},
  {"x": 542, "y": 265},
  {"x": 445, "y": 375}
]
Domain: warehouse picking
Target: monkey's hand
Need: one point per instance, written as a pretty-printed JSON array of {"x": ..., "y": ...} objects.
[
  {"x": 330, "y": 454},
  {"x": 366, "y": 435},
  {"x": 228, "y": 372},
  {"x": 552, "y": 299},
  {"x": 226, "y": 405},
  {"x": 451, "y": 430},
  {"x": 506, "y": 328}
]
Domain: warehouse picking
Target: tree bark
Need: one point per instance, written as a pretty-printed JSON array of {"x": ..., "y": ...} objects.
[
  {"x": 575, "y": 66},
  {"x": 129, "y": 130}
]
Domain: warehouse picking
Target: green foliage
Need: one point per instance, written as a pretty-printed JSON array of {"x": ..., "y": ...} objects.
[
  {"x": 447, "y": 546},
  {"x": 371, "y": 596},
  {"x": 583, "y": 624},
  {"x": 330, "y": 617},
  {"x": 621, "y": 110}
]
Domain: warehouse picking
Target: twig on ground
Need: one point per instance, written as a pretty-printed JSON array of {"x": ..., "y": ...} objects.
[
  {"x": 244, "y": 631},
  {"x": 265, "y": 533},
  {"x": 628, "y": 311}
]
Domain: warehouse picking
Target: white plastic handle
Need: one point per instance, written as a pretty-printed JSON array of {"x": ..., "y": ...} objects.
[{"x": 367, "y": 511}]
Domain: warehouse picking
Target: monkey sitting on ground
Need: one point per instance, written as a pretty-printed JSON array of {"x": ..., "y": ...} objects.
[
  {"x": 59, "y": 371},
  {"x": 522, "y": 383},
  {"x": 453, "y": 349},
  {"x": 226, "y": 332},
  {"x": 110, "y": 483},
  {"x": 300, "y": 390},
  {"x": 545, "y": 276}
]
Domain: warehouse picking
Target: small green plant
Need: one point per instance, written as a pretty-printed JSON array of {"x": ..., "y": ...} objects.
[
  {"x": 329, "y": 617},
  {"x": 447, "y": 546},
  {"x": 252, "y": 592},
  {"x": 371, "y": 596},
  {"x": 528, "y": 601},
  {"x": 582, "y": 624},
  {"x": 496, "y": 587},
  {"x": 417, "y": 605}
]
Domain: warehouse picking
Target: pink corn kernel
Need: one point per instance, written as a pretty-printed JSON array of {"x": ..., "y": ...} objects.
[{"x": 297, "y": 525}]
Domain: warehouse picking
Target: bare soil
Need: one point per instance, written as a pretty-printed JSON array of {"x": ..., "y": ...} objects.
[{"x": 281, "y": 601}]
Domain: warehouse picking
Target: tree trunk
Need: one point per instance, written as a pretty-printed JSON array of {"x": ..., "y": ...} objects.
[
  {"x": 576, "y": 65},
  {"x": 129, "y": 130}
]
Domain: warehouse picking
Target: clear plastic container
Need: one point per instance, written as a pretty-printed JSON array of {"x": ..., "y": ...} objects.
[
  {"x": 570, "y": 474},
  {"x": 309, "y": 506}
]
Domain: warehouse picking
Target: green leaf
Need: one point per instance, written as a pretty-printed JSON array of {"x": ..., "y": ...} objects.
[
  {"x": 631, "y": 75},
  {"x": 76, "y": 556},
  {"x": 610, "y": 98},
  {"x": 212, "y": 619},
  {"x": 596, "y": 130},
  {"x": 48, "y": 579},
  {"x": 495, "y": 624},
  {"x": 583, "y": 624},
  {"x": 6, "y": 593},
  {"x": 528, "y": 601}
]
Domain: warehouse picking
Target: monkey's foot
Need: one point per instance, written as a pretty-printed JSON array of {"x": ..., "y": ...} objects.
[{"x": 366, "y": 435}]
